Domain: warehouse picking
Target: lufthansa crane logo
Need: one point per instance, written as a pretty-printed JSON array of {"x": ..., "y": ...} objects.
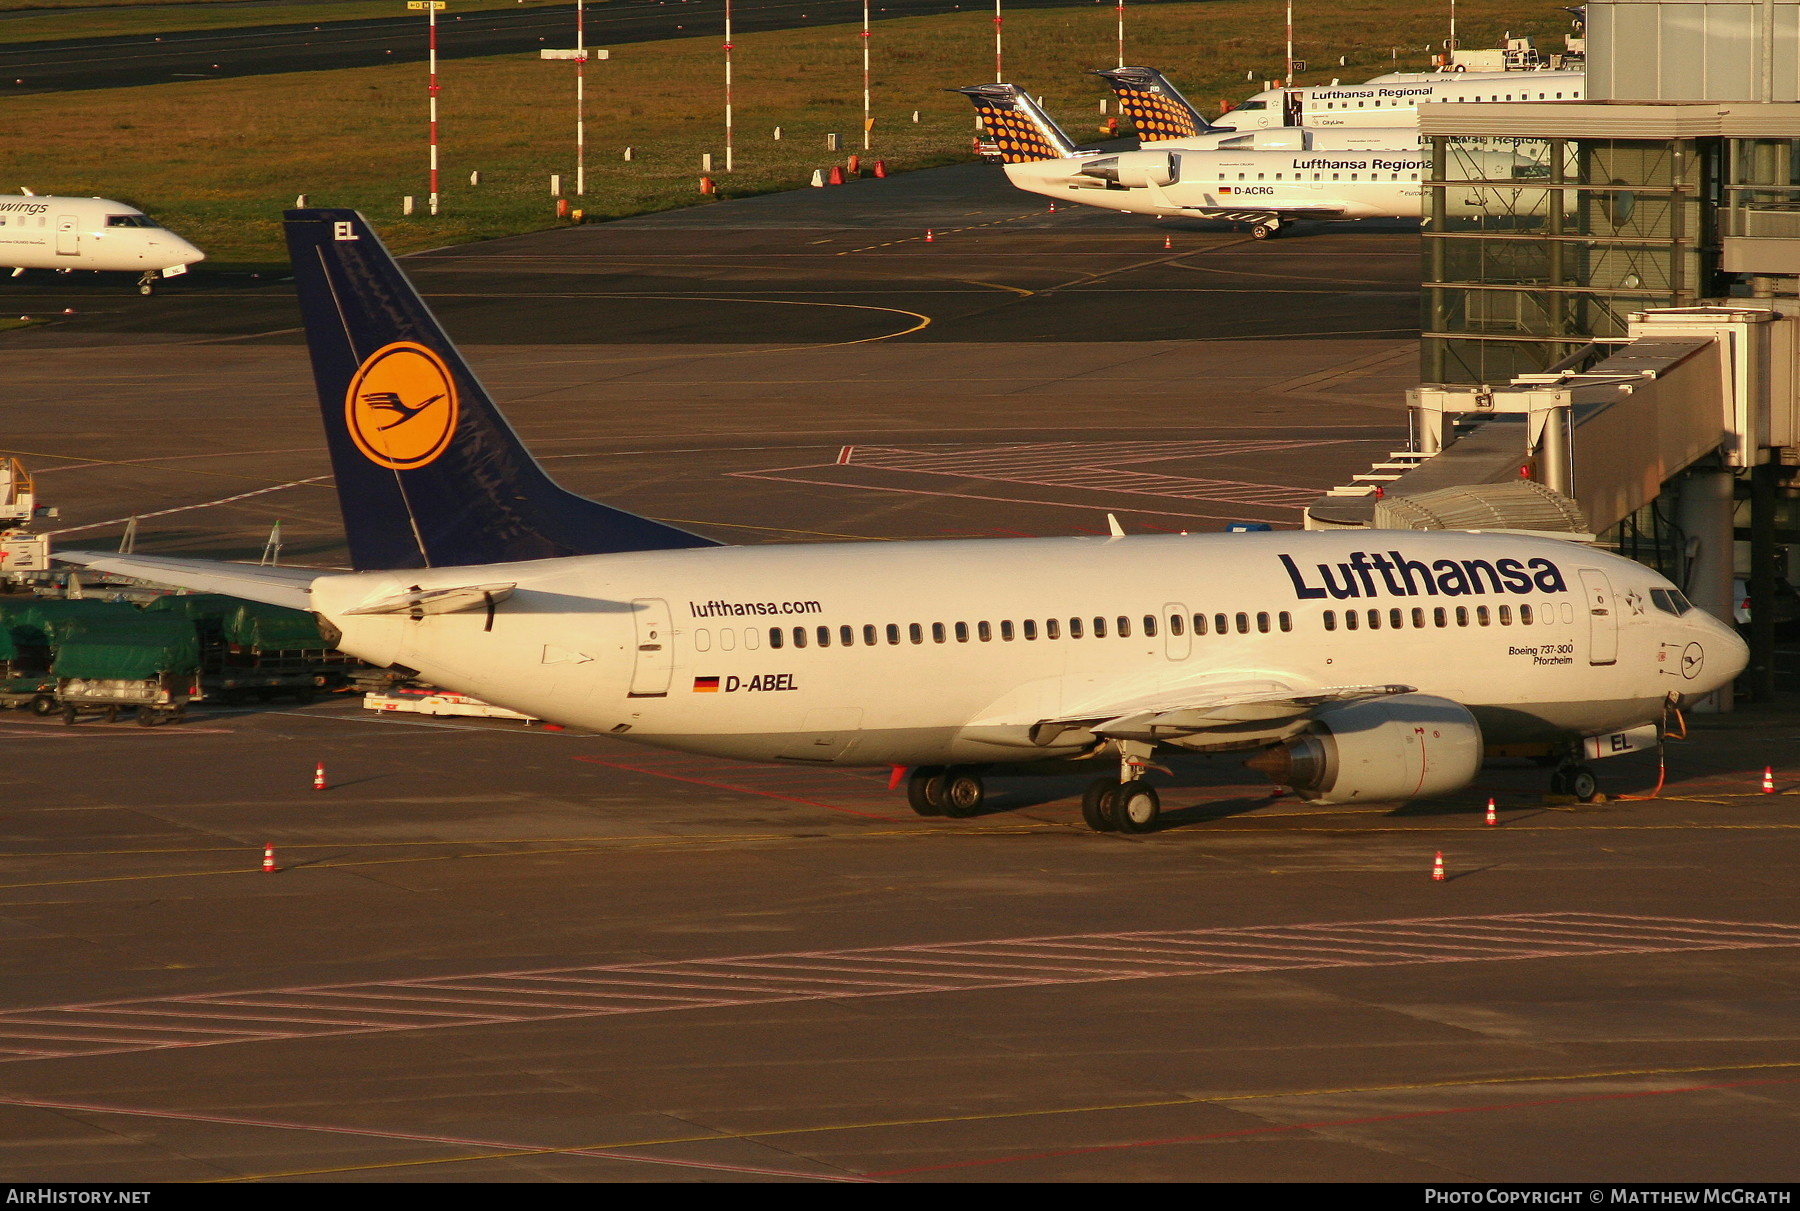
[{"x": 401, "y": 408}]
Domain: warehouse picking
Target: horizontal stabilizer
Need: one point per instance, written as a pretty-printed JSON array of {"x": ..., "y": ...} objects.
[
  {"x": 290, "y": 587},
  {"x": 419, "y": 602}
]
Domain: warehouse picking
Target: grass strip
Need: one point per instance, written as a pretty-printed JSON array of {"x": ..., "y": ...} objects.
[{"x": 218, "y": 160}]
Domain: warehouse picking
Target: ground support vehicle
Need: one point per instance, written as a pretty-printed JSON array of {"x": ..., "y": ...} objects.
[
  {"x": 153, "y": 700},
  {"x": 148, "y": 664},
  {"x": 254, "y": 652},
  {"x": 25, "y": 679}
]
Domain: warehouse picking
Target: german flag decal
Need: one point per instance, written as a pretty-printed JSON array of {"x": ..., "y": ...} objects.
[{"x": 706, "y": 685}]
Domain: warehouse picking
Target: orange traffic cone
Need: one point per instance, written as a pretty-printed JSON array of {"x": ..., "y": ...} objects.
[
  {"x": 1768, "y": 780},
  {"x": 1491, "y": 817},
  {"x": 269, "y": 867},
  {"x": 928, "y": 236},
  {"x": 854, "y": 165},
  {"x": 1167, "y": 244},
  {"x": 706, "y": 185},
  {"x": 1053, "y": 208},
  {"x": 1437, "y": 868},
  {"x": 836, "y": 177},
  {"x": 881, "y": 168},
  {"x": 319, "y": 776}
]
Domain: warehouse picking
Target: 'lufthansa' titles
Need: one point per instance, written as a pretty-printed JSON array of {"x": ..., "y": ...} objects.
[{"x": 1394, "y": 575}]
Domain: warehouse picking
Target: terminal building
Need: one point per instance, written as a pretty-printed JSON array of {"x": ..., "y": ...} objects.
[{"x": 1609, "y": 334}]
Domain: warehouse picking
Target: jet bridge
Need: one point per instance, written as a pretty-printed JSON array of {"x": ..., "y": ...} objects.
[{"x": 1696, "y": 396}]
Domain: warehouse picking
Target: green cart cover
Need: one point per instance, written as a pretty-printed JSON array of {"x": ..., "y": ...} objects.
[{"x": 133, "y": 649}]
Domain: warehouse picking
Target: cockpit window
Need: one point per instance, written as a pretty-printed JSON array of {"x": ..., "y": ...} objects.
[
  {"x": 1670, "y": 601},
  {"x": 130, "y": 220}
]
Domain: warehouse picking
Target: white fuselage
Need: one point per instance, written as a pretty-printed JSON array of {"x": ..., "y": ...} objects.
[
  {"x": 47, "y": 232},
  {"x": 912, "y": 653},
  {"x": 1397, "y": 103},
  {"x": 1321, "y": 185},
  {"x": 1294, "y": 138}
]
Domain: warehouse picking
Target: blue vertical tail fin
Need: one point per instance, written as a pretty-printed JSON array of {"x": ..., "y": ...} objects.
[{"x": 429, "y": 474}]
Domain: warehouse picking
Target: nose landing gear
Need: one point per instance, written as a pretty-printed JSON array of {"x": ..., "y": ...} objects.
[
  {"x": 147, "y": 281},
  {"x": 1573, "y": 778}
]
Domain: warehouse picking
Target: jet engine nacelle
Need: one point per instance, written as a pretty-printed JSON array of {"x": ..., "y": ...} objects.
[
  {"x": 1410, "y": 746},
  {"x": 1134, "y": 169}
]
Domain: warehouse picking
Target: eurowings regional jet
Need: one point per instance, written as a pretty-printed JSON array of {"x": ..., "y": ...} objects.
[
  {"x": 40, "y": 231},
  {"x": 1356, "y": 666}
]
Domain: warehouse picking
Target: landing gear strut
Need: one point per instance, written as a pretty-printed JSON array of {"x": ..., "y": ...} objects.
[
  {"x": 1127, "y": 804},
  {"x": 1266, "y": 229},
  {"x": 147, "y": 282}
]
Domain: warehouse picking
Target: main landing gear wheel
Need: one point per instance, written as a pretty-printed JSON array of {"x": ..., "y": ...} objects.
[
  {"x": 963, "y": 794},
  {"x": 925, "y": 790},
  {"x": 1097, "y": 805},
  {"x": 1266, "y": 230},
  {"x": 1135, "y": 806},
  {"x": 1576, "y": 780}
]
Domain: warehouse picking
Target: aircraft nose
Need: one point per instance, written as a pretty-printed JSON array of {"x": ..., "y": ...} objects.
[
  {"x": 1723, "y": 652},
  {"x": 188, "y": 253}
]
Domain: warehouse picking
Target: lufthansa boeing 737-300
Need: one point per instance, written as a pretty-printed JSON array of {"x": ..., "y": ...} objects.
[{"x": 1353, "y": 666}]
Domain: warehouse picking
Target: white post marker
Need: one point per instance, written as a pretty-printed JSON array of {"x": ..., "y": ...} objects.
[
  {"x": 580, "y": 55},
  {"x": 430, "y": 8},
  {"x": 728, "y": 164},
  {"x": 868, "y": 122},
  {"x": 1287, "y": 79},
  {"x": 999, "y": 76},
  {"x": 1121, "y": 33}
]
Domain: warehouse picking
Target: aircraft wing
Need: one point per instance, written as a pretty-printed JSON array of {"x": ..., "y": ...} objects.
[
  {"x": 289, "y": 587},
  {"x": 1202, "y": 708}
]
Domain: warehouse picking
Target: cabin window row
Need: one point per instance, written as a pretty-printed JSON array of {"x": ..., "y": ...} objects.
[
  {"x": 1543, "y": 96},
  {"x": 1418, "y": 618},
  {"x": 1030, "y": 630},
  {"x": 1300, "y": 176}
]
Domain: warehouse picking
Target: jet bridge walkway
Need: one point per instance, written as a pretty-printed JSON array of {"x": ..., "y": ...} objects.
[{"x": 1695, "y": 397}]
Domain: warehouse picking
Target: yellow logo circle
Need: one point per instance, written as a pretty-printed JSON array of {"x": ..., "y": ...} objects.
[{"x": 401, "y": 407}]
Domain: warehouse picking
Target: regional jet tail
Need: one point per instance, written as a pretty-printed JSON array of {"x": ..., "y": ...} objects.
[
  {"x": 1156, "y": 108},
  {"x": 1360, "y": 666},
  {"x": 1017, "y": 128}
]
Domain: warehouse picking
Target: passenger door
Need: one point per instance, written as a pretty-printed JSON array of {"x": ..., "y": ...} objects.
[
  {"x": 654, "y": 659},
  {"x": 1603, "y": 618},
  {"x": 68, "y": 236},
  {"x": 1177, "y": 643}
]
